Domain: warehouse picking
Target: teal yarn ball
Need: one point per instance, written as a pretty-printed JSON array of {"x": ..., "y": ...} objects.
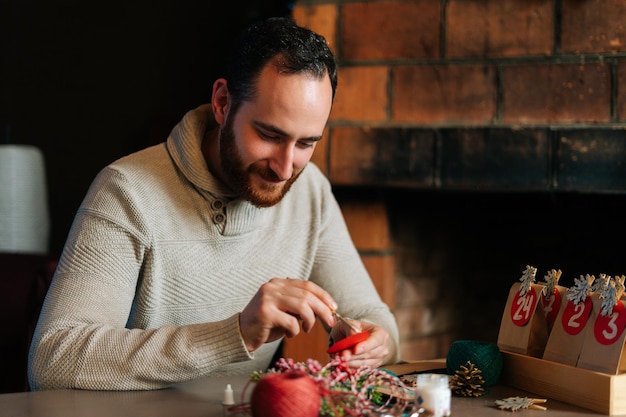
[{"x": 484, "y": 355}]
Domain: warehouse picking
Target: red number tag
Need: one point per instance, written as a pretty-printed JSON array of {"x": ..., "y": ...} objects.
[
  {"x": 522, "y": 307},
  {"x": 575, "y": 316},
  {"x": 609, "y": 329}
]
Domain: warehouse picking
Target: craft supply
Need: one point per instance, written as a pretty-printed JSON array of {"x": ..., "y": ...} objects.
[
  {"x": 286, "y": 394},
  {"x": 347, "y": 321},
  {"x": 517, "y": 403},
  {"x": 348, "y": 342},
  {"x": 348, "y": 391},
  {"x": 467, "y": 381},
  {"x": 432, "y": 392},
  {"x": 228, "y": 395},
  {"x": 484, "y": 355}
]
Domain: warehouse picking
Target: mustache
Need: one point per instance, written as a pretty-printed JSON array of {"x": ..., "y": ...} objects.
[{"x": 266, "y": 173}]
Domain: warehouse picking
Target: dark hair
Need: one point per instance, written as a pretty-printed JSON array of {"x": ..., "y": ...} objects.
[{"x": 293, "y": 48}]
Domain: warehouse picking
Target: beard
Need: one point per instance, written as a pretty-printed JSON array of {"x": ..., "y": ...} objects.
[{"x": 240, "y": 178}]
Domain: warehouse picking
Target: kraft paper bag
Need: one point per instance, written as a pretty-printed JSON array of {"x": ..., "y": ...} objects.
[
  {"x": 603, "y": 347},
  {"x": 523, "y": 328},
  {"x": 552, "y": 297},
  {"x": 567, "y": 336}
]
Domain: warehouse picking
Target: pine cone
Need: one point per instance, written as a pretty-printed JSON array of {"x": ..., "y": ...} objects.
[{"x": 467, "y": 381}]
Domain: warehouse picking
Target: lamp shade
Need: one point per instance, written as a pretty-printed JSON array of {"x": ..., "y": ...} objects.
[{"x": 24, "y": 218}]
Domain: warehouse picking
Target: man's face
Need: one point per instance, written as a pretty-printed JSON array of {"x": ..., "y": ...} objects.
[
  {"x": 265, "y": 146},
  {"x": 239, "y": 173}
]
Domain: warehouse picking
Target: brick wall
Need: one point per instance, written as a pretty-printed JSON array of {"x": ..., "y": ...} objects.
[{"x": 503, "y": 120}]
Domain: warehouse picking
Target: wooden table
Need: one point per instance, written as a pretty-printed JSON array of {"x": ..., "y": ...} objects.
[{"x": 203, "y": 397}]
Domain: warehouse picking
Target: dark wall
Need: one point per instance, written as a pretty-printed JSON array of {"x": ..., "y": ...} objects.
[{"x": 88, "y": 82}]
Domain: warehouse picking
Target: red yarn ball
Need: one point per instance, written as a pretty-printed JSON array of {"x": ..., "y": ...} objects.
[{"x": 287, "y": 394}]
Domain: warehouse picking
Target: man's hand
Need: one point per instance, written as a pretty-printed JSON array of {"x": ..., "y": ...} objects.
[
  {"x": 280, "y": 307},
  {"x": 372, "y": 352}
]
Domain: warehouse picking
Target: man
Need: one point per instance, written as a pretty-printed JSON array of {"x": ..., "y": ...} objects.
[{"x": 195, "y": 257}]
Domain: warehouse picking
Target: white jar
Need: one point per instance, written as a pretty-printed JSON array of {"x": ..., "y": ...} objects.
[{"x": 432, "y": 392}]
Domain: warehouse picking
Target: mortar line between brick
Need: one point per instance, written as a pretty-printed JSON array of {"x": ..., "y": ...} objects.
[
  {"x": 614, "y": 80},
  {"x": 442, "y": 29},
  {"x": 558, "y": 17}
]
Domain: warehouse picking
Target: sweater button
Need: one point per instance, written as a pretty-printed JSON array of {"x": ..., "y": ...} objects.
[
  {"x": 218, "y": 218},
  {"x": 217, "y": 204}
]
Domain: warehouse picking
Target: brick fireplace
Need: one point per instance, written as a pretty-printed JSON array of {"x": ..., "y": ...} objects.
[{"x": 469, "y": 139}]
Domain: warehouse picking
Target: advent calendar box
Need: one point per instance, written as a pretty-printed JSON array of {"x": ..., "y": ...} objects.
[
  {"x": 589, "y": 373},
  {"x": 596, "y": 391}
]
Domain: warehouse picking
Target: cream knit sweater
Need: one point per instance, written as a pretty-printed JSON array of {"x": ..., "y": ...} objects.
[{"x": 161, "y": 259}]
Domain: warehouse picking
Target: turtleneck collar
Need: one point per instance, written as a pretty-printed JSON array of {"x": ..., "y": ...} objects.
[{"x": 185, "y": 147}]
